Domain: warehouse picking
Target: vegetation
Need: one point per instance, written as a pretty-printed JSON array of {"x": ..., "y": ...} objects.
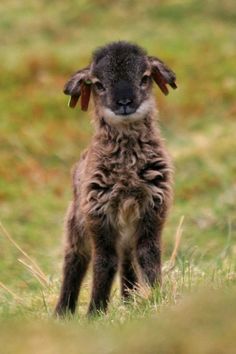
[{"x": 42, "y": 43}]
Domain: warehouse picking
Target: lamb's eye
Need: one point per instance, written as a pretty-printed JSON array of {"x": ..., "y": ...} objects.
[
  {"x": 145, "y": 80},
  {"x": 99, "y": 87}
]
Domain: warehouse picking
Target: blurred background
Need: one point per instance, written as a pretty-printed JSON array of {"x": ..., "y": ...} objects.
[{"x": 42, "y": 44}]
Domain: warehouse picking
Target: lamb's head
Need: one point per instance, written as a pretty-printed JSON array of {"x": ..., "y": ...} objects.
[{"x": 120, "y": 77}]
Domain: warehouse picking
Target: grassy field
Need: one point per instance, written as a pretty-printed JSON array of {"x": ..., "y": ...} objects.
[{"x": 42, "y": 43}]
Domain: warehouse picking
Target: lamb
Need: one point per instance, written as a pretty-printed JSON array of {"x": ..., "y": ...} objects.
[{"x": 122, "y": 185}]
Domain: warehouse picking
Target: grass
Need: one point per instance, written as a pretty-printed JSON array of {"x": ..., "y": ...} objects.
[
  {"x": 203, "y": 330},
  {"x": 42, "y": 43}
]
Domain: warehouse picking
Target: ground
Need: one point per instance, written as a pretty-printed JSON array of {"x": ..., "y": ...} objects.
[{"x": 42, "y": 43}]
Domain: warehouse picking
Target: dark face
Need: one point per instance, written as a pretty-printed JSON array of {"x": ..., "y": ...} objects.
[
  {"x": 121, "y": 83},
  {"x": 120, "y": 77}
]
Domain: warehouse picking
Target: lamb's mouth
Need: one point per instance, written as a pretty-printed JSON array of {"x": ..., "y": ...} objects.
[
  {"x": 125, "y": 111},
  {"x": 114, "y": 117}
]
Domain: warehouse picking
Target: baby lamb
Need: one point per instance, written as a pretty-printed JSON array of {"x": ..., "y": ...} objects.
[{"x": 122, "y": 183}]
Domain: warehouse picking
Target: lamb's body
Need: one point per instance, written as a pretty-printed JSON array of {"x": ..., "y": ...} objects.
[{"x": 122, "y": 192}]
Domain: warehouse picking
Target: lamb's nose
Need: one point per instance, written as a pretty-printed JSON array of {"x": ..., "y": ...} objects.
[{"x": 124, "y": 102}]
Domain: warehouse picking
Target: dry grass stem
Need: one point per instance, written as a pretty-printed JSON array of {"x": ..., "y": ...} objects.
[
  {"x": 34, "y": 264},
  {"x": 178, "y": 236},
  {"x": 16, "y": 297},
  {"x": 42, "y": 280}
]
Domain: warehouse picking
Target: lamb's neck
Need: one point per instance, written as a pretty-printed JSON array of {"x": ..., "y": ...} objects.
[{"x": 143, "y": 130}]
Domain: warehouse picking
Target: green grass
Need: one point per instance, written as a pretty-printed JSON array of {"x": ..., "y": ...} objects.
[{"x": 42, "y": 43}]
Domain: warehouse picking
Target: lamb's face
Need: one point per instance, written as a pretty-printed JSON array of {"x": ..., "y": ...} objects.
[
  {"x": 121, "y": 82},
  {"x": 120, "y": 77}
]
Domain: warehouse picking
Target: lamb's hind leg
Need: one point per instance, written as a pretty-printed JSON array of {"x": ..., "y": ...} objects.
[
  {"x": 76, "y": 261},
  {"x": 128, "y": 274}
]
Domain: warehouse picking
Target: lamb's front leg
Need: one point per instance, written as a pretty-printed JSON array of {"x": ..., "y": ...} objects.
[
  {"x": 105, "y": 264},
  {"x": 148, "y": 247}
]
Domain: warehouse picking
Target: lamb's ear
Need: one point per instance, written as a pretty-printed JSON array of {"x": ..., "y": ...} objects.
[
  {"x": 79, "y": 85},
  {"x": 162, "y": 75}
]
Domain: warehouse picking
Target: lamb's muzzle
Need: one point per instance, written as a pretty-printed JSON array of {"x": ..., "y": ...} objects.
[{"x": 122, "y": 184}]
